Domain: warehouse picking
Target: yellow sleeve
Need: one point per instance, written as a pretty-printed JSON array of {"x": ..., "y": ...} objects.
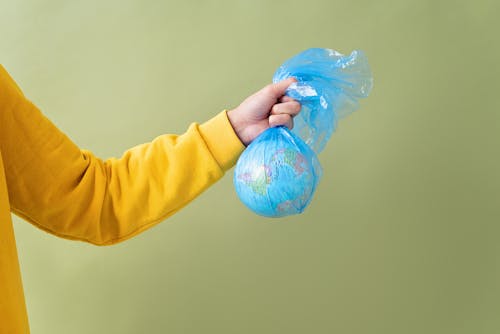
[{"x": 73, "y": 194}]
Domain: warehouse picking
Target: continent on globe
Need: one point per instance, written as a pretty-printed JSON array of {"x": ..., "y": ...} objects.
[
  {"x": 292, "y": 158},
  {"x": 258, "y": 179}
]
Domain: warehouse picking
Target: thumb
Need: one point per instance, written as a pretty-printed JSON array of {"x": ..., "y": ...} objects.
[{"x": 279, "y": 88}]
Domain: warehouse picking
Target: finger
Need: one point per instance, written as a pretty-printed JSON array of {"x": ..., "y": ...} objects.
[
  {"x": 291, "y": 108},
  {"x": 286, "y": 98},
  {"x": 281, "y": 119},
  {"x": 278, "y": 89}
]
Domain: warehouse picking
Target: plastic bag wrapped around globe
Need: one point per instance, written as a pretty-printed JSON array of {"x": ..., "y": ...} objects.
[
  {"x": 277, "y": 174},
  {"x": 279, "y": 171},
  {"x": 328, "y": 87}
]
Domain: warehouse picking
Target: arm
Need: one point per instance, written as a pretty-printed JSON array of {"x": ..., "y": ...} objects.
[{"x": 73, "y": 194}]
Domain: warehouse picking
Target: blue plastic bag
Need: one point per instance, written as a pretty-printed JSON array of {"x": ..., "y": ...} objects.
[
  {"x": 279, "y": 171},
  {"x": 328, "y": 88}
]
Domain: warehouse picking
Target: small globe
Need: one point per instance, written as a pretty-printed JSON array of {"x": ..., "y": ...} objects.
[{"x": 277, "y": 174}]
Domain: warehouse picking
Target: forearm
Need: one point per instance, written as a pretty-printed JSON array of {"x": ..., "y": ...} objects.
[{"x": 73, "y": 194}]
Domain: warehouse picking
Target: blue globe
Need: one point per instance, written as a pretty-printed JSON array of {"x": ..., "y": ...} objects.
[{"x": 277, "y": 174}]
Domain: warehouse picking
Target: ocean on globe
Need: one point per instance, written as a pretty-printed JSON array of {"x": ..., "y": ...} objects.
[{"x": 277, "y": 174}]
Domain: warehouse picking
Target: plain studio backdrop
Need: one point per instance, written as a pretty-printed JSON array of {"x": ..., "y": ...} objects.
[{"x": 403, "y": 234}]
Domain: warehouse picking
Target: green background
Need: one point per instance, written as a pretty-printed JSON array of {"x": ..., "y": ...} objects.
[{"x": 403, "y": 233}]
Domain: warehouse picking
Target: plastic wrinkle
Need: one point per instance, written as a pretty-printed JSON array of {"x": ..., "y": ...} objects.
[{"x": 329, "y": 86}]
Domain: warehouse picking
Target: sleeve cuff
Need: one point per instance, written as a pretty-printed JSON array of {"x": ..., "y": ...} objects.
[{"x": 222, "y": 141}]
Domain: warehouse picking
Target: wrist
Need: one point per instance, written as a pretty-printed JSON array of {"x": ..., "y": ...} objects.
[{"x": 238, "y": 125}]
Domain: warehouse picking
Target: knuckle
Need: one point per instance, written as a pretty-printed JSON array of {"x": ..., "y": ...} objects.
[
  {"x": 273, "y": 121},
  {"x": 292, "y": 108},
  {"x": 275, "y": 109},
  {"x": 269, "y": 89},
  {"x": 296, "y": 106},
  {"x": 276, "y": 120}
]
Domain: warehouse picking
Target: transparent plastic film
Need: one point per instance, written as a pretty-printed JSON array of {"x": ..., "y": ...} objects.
[{"x": 329, "y": 87}]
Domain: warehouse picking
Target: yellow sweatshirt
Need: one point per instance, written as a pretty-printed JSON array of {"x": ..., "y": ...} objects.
[{"x": 47, "y": 180}]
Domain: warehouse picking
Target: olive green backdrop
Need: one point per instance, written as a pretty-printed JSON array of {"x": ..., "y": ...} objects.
[{"x": 403, "y": 234}]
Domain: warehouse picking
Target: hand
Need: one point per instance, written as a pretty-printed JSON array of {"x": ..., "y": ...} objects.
[{"x": 264, "y": 109}]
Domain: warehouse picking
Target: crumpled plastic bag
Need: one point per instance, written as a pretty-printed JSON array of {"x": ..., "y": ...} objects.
[
  {"x": 328, "y": 88},
  {"x": 279, "y": 171}
]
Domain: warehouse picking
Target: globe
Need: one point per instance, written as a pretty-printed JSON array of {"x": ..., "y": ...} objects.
[{"x": 277, "y": 174}]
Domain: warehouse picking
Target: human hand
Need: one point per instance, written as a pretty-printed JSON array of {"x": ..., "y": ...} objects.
[{"x": 269, "y": 107}]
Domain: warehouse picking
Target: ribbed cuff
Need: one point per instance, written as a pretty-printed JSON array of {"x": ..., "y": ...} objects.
[{"x": 222, "y": 141}]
